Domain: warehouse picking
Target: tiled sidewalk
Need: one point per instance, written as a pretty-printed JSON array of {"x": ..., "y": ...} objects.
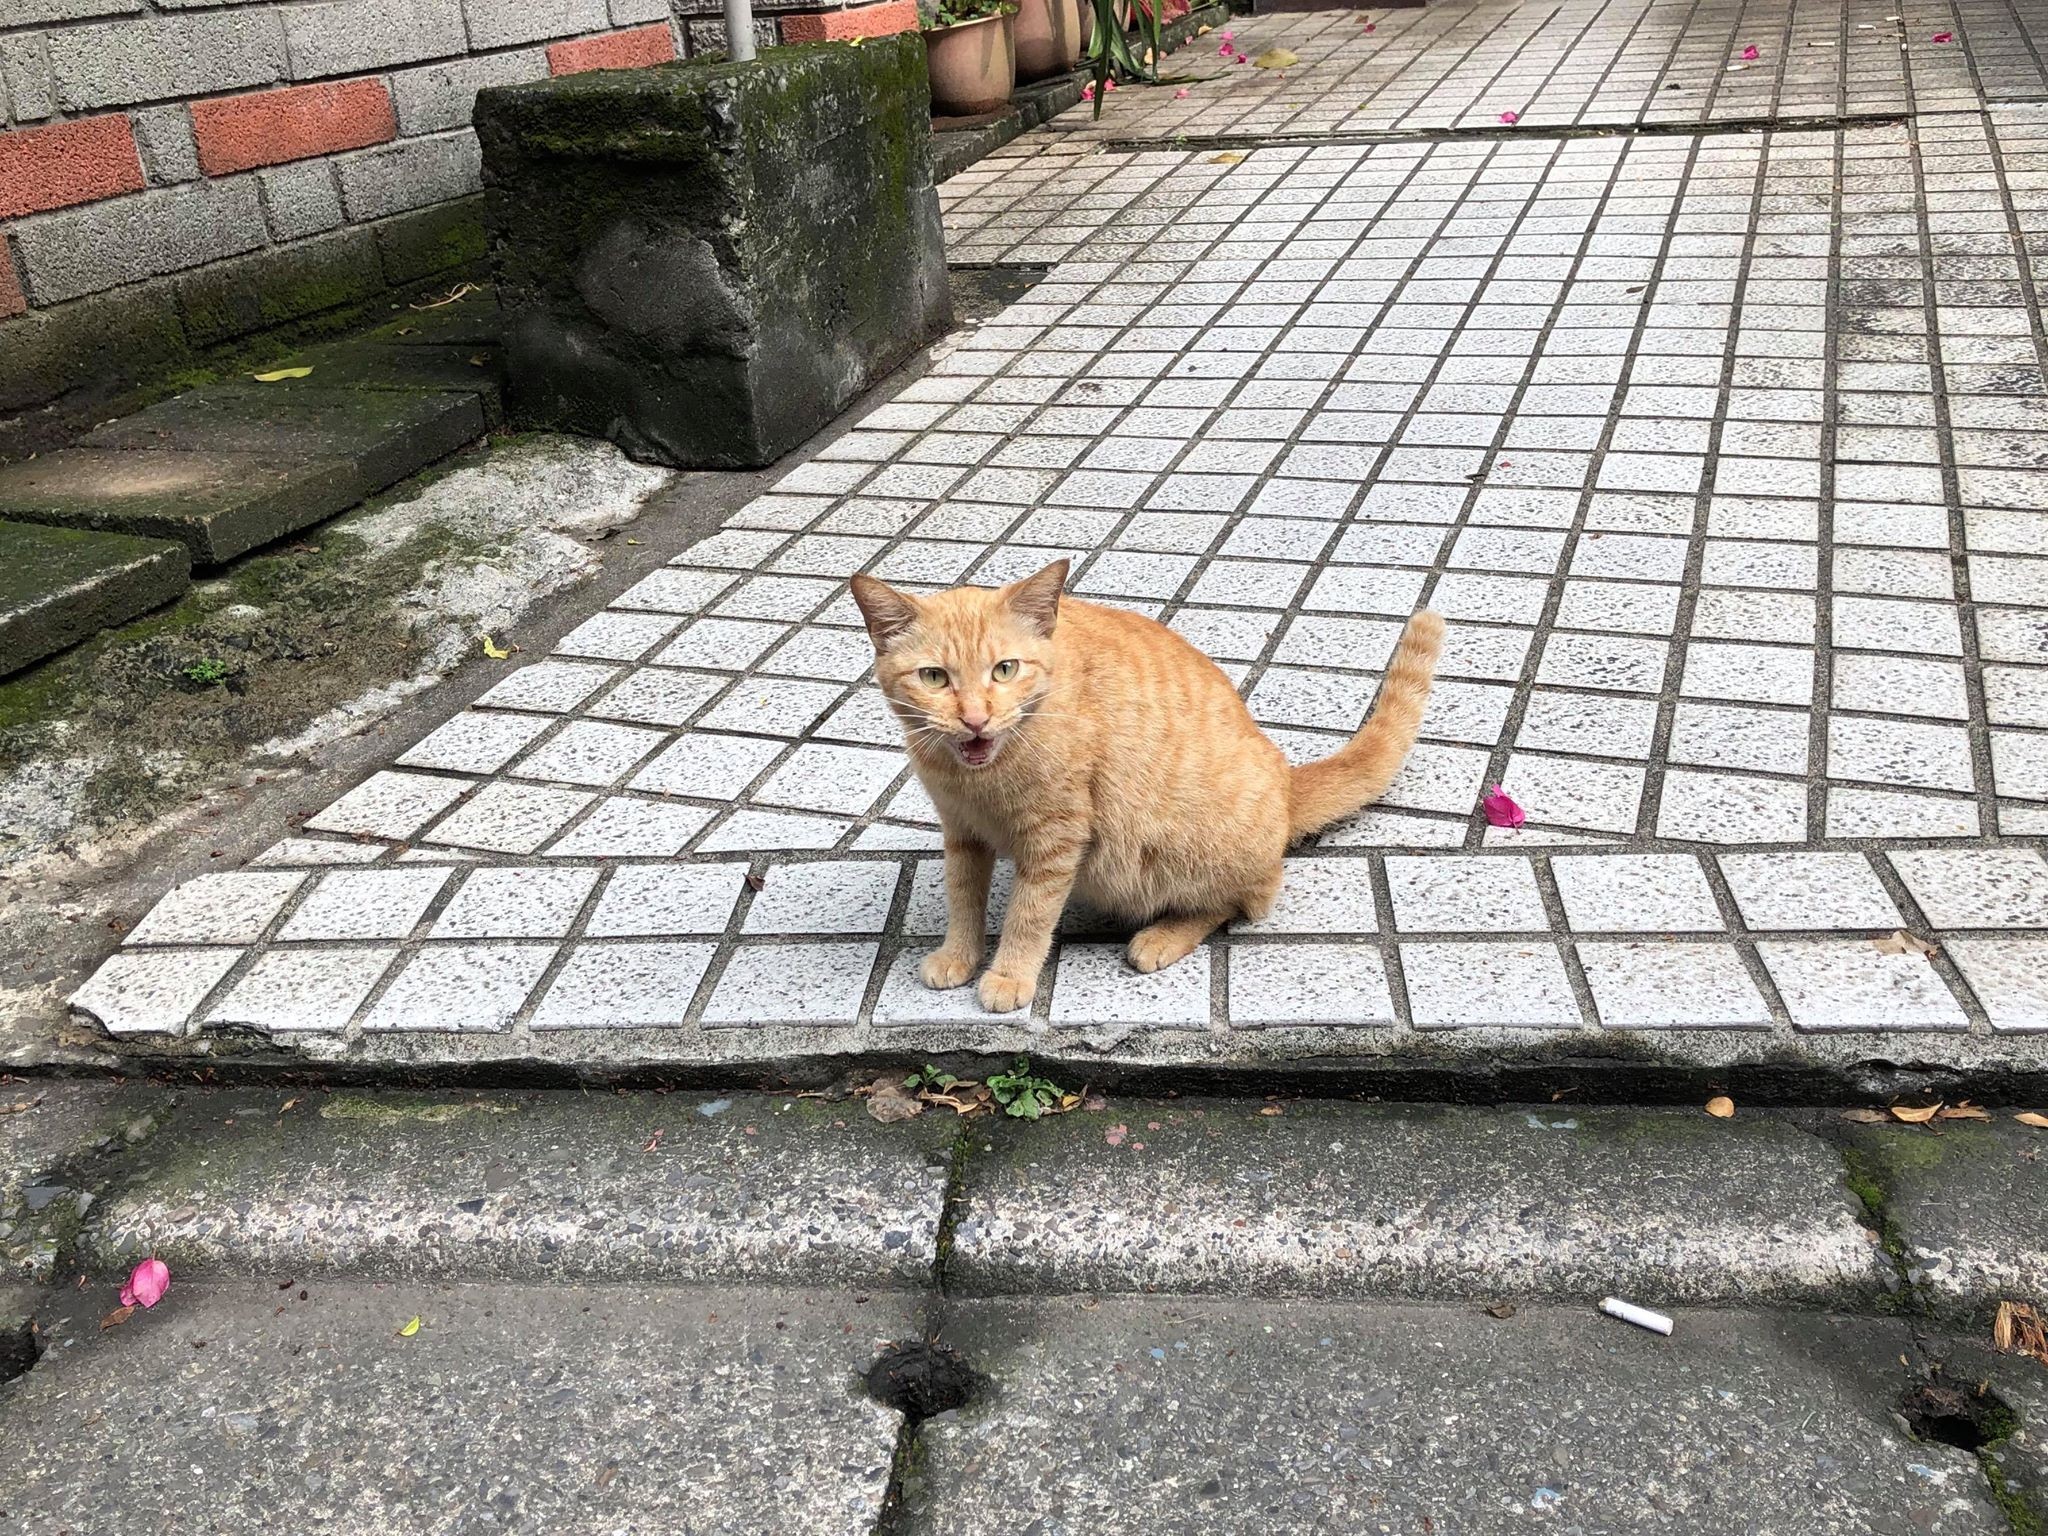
[{"x": 1725, "y": 455}]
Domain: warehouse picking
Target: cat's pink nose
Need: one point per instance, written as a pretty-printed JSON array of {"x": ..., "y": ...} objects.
[{"x": 973, "y": 722}]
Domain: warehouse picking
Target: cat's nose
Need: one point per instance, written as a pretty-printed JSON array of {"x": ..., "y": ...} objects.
[{"x": 974, "y": 720}]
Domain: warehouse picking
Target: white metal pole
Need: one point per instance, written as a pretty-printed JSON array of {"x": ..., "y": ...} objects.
[{"x": 739, "y": 30}]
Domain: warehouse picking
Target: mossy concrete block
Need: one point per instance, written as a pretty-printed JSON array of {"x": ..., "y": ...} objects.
[
  {"x": 705, "y": 262},
  {"x": 1968, "y": 1202},
  {"x": 428, "y": 242},
  {"x": 99, "y": 343},
  {"x": 217, "y": 504},
  {"x": 59, "y": 586},
  {"x": 274, "y": 287}
]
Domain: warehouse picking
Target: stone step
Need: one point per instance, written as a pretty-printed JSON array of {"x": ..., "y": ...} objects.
[
  {"x": 231, "y": 467},
  {"x": 1335, "y": 1199},
  {"x": 555, "y": 1186},
  {"x": 59, "y": 586},
  {"x": 568, "y": 1409},
  {"x": 1154, "y": 1417}
]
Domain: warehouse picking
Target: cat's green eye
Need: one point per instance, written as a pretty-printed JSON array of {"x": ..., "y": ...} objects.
[
  {"x": 1005, "y": 670},
  {"x": 933, "y": 677}
]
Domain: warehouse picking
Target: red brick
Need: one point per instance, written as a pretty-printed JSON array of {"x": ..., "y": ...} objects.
[
  {"x": 11, "y": 301},
  {"x": 631, "y": 49},
  {"x": 80, "y": 161},
  {"x": 238, "y": 133},
  {"x": 857, "y": 21}
]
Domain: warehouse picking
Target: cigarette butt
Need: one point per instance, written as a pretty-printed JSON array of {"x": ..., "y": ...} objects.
[{"x": 1642, "y": 1317}]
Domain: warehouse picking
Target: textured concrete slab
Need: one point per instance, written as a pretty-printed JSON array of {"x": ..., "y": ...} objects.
[
  {"x": 216, "y": 503},
  {"x": 575, "y": 1411},
  {"x": 1969, "y": 1202},
  {"x": 560, "y": 1186},
  {"x": 59, "y": 586},
  {"x": 1332, "y": 1199},
  {"x": 1156, "y": 1418},
  {"x": 50, "y": 1132}
]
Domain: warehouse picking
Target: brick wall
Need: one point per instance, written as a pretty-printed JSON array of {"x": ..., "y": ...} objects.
[{"x": 178, "y": 173}]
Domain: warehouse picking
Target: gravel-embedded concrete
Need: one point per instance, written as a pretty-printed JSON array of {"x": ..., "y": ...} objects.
[
  {"x": 1352, "y": 1200},
  {"x": 1158, "y": 1418},
  {"x": 243, "y": 1409},
  {"x": 48, "y": 1130},
  {"x": 558, "y": 1186},
  {"x": 1969, "y": 1200}
]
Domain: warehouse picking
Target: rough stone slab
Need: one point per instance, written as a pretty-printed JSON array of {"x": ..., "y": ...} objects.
[
  {"x": 1353, "y": 1200},
  {"x": 568, "y": 1410},
  {"x": 377, "y": 364},
  {"x": 217, "y": 504},
  {"x": 43, "y": 1143},
  {"x": 1969, "y": 1201},
  {"x": 1158, "y": 1418},
  {"x": 59, "y": 586},
  {"x": 560, "y": 1186},
  {"x": 384, "y": 436}
]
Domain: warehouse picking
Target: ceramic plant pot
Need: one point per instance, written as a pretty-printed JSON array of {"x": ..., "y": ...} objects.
[
  {"x": 1049, "y": 38},
  {"x": 973, "y": 66}
]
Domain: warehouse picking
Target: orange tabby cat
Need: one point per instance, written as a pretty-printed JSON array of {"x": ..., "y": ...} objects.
[{"x": 1107, "y": 757}]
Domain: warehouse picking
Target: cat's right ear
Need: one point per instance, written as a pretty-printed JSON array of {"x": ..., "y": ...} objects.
[
  {"x": 1036, "y": 599},
  {"x": 887, "y": 611}
]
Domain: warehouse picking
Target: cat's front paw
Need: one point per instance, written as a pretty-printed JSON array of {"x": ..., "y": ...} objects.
[
  {"x": 947, "y": 968},
  {"x": 1006, "y": 994}
]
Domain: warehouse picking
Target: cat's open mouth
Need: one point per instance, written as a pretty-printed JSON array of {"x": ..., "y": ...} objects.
[{"x": 977, "y": 751}]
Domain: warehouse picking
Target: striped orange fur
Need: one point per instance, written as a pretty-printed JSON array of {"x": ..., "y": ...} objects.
[{"x": 1107, "y": 758}]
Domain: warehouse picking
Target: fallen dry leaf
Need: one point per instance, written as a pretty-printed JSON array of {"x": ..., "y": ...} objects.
[
  {"x": 1866, "y": 1116},
  {"x": 1502, "y": 1310},
  {"x": 1277, "y": 58},
  {"x": 1228, "y": 157},
  {"x": 493, "y": 650},
  {"x": 2034, "y": 1118},
  {"x": 117, "y": 1317},
  {"x": 653, "y": 1143},
  {"x": 756, "y": 882},
  {"x": 1721, "y": 1107},
  {"x": 1915, "y": 1114},
  {"x": 889, "y": 1101},
  {"x": 1272, "y": 1109},
  {"x": 1964, "y": 1111},
  {"x": 409, "y": 1329},
  {"x": 1903, "y": 943},
  {"x": 2019, "y": 1329},
  {"x": 453, "y": 296}
]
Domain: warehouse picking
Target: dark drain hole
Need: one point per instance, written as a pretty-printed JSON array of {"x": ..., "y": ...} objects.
[
  {"x": 919, "y": 1380},
  {"x": 1968, "y": 1418},
  {"x": 19, "y": 1348}
]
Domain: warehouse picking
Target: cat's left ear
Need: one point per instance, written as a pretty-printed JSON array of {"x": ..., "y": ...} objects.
[
  {"x": 887, "y": 611},
  {"x": 1036, "y": 599}
]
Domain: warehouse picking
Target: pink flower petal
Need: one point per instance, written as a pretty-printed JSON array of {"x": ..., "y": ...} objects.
[
  {"x": 1181, "y": 93},
  {"x": 1109, "y": 85},
  {"x": 1944, "y": 37},
  {"x": 1224, "y": 37},
  {"x": 1088, "y": 91},
  {"x": 1372, "y": 26},
  {"x": 1240, "y": 59},
  {"x": 1501, "y": 810},
  {"x": 1511, "y": 117},
  {"x": 1224, "y": 51},
  {"x": 1751, "y": 52},
  {"x": 146, "y": 1286}
]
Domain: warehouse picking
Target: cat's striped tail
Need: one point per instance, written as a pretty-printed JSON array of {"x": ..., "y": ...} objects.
[{"x": 1321, "y": 792}]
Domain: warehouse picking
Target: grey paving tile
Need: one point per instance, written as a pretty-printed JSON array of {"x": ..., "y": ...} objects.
[
  {"x": 792, "y": 984},
  {"x": 623, "y": 986},
  {"x": 1830, "y": 984},
  {"x": 230, "y": 908},
  {"x": 1650, "y": 985},
  {"x": 1807, "y": 891},
  {"x": 1095, "y": 985},
  {"x": 1636, "y": 893},
  {"x": 461, "y": 987},
  {"x": 1290, "y": 984},
  {"x": 1500, "y": 984}
]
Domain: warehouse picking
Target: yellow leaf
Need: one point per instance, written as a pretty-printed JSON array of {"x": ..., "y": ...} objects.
[
  {"x": 278, "y": 374},
  {"x": 1276, "y": 58},
  {"x": 409, "y": 1329},
  {"x": 2032, "y": 1117},
  {"x": 1228, "y": 157},
  {"x": 1913, "y": 1115},
  {"x": 493, "y": 650},
  {"x": 1965, "y": 1111},
  {"x": 1721, "y": 1107}
]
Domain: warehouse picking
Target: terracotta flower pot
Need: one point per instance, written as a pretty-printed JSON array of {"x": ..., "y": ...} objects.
[
  {"x": 1048, "y": 37},
  {"x": 973, "y": 65}
]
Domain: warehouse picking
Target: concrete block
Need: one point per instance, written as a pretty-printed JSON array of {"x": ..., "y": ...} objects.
[
  {"x": 12, "y": 300},
  {"x": 430, "y": 242},
  {"x": 628, "y": 13},
  {"x": 216, "y": 504},
  {"x": 501, "y": 23},
  {"x": 121, "y": 63},
  {"x": 349, "y": 37},
  {"x": 27, "y": 13},
  {"x": 31, "y": 90},
  {"x": 409, "y": 174},
  {"x": 279, "y": 285},
  {"x": 164, "y": 136},
  {"x": 705, "y": 263},
  {"x": 300, "y": 200},
  {"x": 104, "y": 245},
  {"x": 59, "y": 586},
  {"x": 436, "y": 97}
]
